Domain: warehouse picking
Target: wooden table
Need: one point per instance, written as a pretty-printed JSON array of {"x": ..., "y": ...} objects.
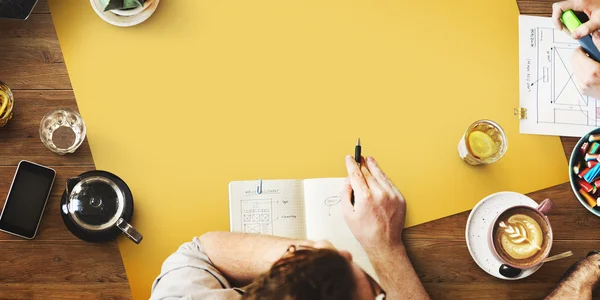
[
  {"x": 440, "y": 255},
  {"x": 56, "y": 264}
]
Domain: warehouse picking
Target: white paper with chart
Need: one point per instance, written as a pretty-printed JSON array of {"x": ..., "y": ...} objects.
[
  {"x": 300, "y": 209},
  {"x": 550, "y": 100}
]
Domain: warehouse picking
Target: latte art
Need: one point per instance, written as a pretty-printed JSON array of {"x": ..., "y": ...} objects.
[{"x": 521, "y": 236}]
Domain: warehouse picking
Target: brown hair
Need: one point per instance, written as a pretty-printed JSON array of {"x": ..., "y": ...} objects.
[{"x": 305, "y": 275}]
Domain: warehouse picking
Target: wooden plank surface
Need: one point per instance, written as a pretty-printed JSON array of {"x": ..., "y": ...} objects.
[
  {"x": 536, "y": 7},
  {"x": 440, "y": 256},
  {"x": 56, "y": 264},
  {"x": 20, "y": 137},
  {"x": 36, "y": 40},
  {"x": 52, "y": 227}
]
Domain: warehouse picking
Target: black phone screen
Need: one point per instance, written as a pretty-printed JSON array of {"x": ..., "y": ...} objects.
[{"x": 27, "y": 199}]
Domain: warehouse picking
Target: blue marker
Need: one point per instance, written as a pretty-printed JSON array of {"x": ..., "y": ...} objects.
[{"x": 572, "y": 22}]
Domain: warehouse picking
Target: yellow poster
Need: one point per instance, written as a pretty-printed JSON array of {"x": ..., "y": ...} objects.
[{"x": 206, "y": 92}]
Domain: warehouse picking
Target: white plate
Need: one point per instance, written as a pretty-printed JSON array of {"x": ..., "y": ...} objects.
[
  {"x": 122, "y": 20},
  {"x": 478, "y": 226}
]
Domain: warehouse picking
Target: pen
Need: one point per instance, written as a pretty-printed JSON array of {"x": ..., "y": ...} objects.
[{"x": 357, "y": 156}]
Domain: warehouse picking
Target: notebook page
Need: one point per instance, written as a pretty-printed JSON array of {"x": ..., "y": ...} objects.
[
  {"x": 324, "y": 219},
  {"x": 278, "y": 210}
]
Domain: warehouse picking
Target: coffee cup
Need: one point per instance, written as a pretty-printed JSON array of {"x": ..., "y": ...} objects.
[{"x": 521, "y": 236}]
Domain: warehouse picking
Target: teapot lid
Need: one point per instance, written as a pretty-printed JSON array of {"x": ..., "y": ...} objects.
[{"x": 96, "y": 203}]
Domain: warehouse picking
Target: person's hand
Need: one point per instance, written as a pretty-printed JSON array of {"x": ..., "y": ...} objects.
[
  {"x": 377, "y": 217},
  {"x": 590, "y": 7},
  {"x": 586, "y": 71}
]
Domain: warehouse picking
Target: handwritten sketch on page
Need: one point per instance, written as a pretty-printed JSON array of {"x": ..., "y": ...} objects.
[
  {"x": 326, "y": 222},
  {"x": 278, "y": 210},
  {"x": 301, "y": 209},
  {"x": 553, "y": 102}
]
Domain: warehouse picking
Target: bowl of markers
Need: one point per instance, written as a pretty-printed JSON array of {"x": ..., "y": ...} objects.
[{"x": 584, "y": 169}]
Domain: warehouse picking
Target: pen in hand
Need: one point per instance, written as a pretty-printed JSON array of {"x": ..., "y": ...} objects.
[{"x": 357, "y": 157}]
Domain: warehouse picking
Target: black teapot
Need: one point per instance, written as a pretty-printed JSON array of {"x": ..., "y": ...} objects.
[{"x": 97, "y": 206}]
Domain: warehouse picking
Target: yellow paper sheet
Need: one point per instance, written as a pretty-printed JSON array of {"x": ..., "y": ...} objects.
[{"x": 206, "y": 92}]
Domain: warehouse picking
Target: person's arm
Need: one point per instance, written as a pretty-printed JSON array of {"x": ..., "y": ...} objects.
[
  {"x": 586, "y": 71},
  {"x": 242, "y": 257},
  {"x": 376, "y": 220}
]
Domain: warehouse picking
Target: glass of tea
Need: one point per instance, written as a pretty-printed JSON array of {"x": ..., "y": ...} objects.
[
  {"x": 62, "y": 131},
  {"x": 484, "y": 142},
  {"x": 6, "y": 103}
]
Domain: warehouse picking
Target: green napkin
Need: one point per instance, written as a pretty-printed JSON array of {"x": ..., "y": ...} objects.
[{"x": 121, "y": 4}]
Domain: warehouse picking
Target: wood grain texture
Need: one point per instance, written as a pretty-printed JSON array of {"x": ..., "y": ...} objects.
[
  {"x": 30, "y": 55},
  {"x": 536, "y": 7},
  {"x": 440, "y": 256},
  {"x": 56, "y": 264},
  {"x": 70, "y": 291},
  {"x": 52, "y": 227},
  {"x": 20, "y": 138},
  {"x": 448, "y": 272},
  {"x": 41, "y": 7}
]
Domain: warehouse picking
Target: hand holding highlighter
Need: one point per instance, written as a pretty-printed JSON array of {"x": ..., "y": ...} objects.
[{"x": 587, "y": 43}]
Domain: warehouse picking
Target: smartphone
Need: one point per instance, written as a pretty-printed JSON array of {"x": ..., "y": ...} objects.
[{"x": 27, "y": 199}]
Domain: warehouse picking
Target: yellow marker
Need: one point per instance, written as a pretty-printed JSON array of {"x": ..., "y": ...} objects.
[{"x": 481, "y": 144}]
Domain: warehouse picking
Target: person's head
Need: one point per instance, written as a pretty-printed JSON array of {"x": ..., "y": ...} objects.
[{"x": 307, "y": 273}]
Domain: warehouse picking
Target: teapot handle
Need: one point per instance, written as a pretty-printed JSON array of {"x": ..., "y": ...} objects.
[{"x": 129, "y": 231}]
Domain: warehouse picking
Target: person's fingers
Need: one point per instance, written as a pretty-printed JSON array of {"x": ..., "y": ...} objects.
[
  {"x": 346, "y": 195},
  {"x": 578, "y": 62},
  {"x": 557, "y": 10},
  {"x": 585, "y": 69},
  {"x": 596, "y": 38},
  {"x": 587, "y": 28},
  {"x": 578, "y": 59},
  {"x": 369, "y": 178},
  {"x": 379, "y": 175},
  {"x": 357, "y": 178}
]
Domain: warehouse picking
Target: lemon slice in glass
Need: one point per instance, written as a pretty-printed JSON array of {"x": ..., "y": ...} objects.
[
  {"x": 3, "y": 102},
  {"x": 481, "y": 144}
]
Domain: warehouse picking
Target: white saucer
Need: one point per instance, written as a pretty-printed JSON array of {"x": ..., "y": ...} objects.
[
  {"x": 125, "y": 20},
  {"x": 478, "y": 226}
]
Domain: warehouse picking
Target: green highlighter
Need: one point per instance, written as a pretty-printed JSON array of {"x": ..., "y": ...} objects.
[{"x": 587, "y": 43}]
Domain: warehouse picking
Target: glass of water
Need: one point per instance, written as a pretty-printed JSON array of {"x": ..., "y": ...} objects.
[{"x": 62, "y": 131}]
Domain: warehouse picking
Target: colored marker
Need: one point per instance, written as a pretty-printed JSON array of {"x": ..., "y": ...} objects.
[
  {"x": 584, "y": 148},
  {"x": 588, "y": 198},
  {"x": 583, "y": 172},
  {"x": 594, "y": 148},
  {"x": 592, "y": 174},
  {"x": 594, "y": 137},
  {"x": 585, "y": 186},
  {"x": 589, "y": 157},
  {"x": 587, "y": 43}
]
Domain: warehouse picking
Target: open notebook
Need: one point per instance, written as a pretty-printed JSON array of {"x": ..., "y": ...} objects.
[{"x": 301, "y": 209}]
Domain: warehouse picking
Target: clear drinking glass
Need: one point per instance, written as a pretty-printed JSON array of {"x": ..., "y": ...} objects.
[
  {"x": 484, "y": 142},
  {"x": 6, "y": 103},
  {"x": 62, "y": 131}
]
